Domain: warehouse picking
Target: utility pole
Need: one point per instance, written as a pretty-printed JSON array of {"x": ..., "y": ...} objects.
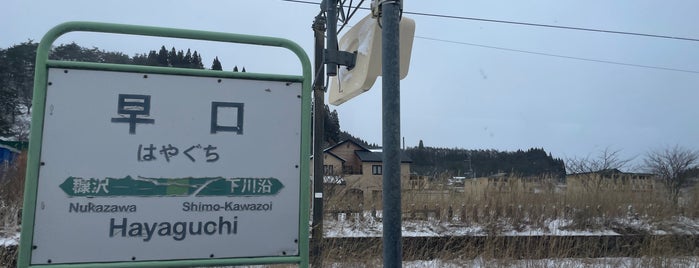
[
  {"x": 318, "y": 129},
  {"x": 324, "y": 54},
  {"x": 392, "y": 244},
  {"x": 331, "y": 49}
]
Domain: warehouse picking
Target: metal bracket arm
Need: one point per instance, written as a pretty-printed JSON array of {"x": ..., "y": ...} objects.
[{"x": 336, "y": 57}]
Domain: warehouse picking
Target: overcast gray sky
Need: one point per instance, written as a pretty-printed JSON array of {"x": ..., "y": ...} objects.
[{"x": 458, "y": 94}]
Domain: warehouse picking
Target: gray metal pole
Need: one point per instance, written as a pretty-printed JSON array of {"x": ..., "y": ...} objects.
[
  {"x": 318, "y": 128},
  {"x": 390, "y": 21}
]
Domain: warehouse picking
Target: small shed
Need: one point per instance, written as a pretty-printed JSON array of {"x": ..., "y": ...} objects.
[{"x": 7, "y": 154}]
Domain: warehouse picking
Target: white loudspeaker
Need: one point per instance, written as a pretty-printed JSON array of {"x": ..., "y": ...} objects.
[{"x": 365, "y": 38}]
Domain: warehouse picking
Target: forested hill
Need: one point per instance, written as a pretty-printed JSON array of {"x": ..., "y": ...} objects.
[
  {"x": 455, "y": 162},
  {"x": 17, "y": 74}
]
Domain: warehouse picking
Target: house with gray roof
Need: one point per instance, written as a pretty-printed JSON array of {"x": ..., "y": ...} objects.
[{"x": 361, "y": 170}]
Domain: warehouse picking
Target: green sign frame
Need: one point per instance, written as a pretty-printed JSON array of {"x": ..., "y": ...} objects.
[{"x": 43, "y": 63}]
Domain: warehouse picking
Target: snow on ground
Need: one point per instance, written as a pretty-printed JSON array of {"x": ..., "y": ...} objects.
[
  {"x": 689, "y": 262},
  {"x": 557, "y": 227},
  {"x": 368, "y": 226},
  {"x": 685, "y": 262},
  {"x": 10, "y": 240},
  {"x": 373, "y": 228}
]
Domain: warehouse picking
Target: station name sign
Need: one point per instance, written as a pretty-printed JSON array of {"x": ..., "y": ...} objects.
[{"x": 138, "y": 167}]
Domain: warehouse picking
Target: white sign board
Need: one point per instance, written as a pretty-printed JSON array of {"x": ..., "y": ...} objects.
[
  {"x": 365, "y": 39},
  {"x": 141, "y": 167}
]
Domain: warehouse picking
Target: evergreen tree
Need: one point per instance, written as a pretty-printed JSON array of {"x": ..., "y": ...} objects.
[
  {"x": 74, "y": 52},
  {"x": 172, "y": 57},
  {"x": 180, "y": 62},
  {"x": 187, "y": 60},
  {"x": 216, "y": 65},
  {"x": 115, "y": 57},
  {"x": 16, "y": 84},
  {"x": 162, "y": 57},
  {"x": 533, "y": 162},
  {"x": 235, "y": 69},
  {"x": 8, "y": 97},
  {"x": 17, "y": 72},
  {"x": 20, "y": 63},
  {"x": 332, "y": 126},
  {"x": 140, "y": 59},
  {"x": 152, "y": 58},
  {"x": 196, "y": 61}
]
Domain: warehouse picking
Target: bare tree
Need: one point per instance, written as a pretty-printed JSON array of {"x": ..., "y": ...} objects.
[
  {"x": 21, "y": 128},
  {"x": 605, "y": 160},
  {"x": 11, "y": 191},
  {"x": 587, "y": 167},
  {"x": 670, "y": 165}
]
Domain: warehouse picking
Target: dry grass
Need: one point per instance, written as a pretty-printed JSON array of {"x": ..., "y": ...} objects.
[
  {"x": 11, "y": 193},
  {"x": 519, "y": 205},
  {"x": 514, "y": 206}
]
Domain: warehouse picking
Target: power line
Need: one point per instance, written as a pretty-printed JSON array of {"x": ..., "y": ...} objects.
[
  {"x": 540, "y": 53},
  {"x": 527, "y": 24},
  {"x": 558, "y": 56},
  {"x": 554, "y": 26}
]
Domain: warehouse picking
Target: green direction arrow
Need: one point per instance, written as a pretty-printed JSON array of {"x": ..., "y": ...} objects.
[
  {"x": 158, "y": 187},
  {"x": 241, "y": 187}
]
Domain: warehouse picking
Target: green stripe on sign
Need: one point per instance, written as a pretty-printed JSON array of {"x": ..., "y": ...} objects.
[
  {"x": 178, "y": 187},
  {"x": 159, "y": 187}
]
